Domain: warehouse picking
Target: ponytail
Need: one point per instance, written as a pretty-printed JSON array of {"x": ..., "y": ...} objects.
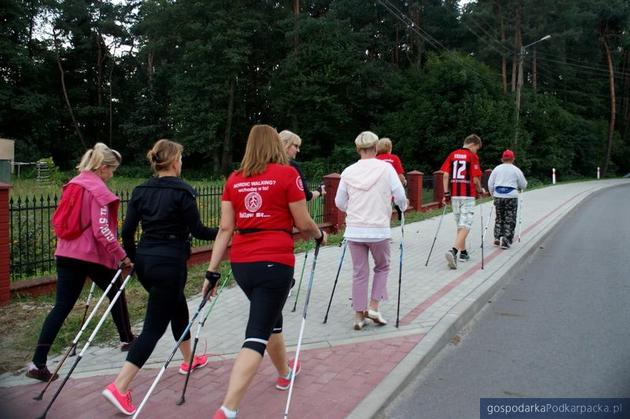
[{"x": 98, "y": 156}]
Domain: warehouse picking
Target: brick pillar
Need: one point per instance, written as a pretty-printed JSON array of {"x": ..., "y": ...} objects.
[
  {"x": 414, "y": 189},
  {"x": 438, "y": 186},
  {"x": 331, "y": 214},
  {"x": 485, "y": 177},
  {"x": 5, "y": 277}
]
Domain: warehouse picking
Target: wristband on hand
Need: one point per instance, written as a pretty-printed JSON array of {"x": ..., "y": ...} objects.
[
  {"x": 213, "y": 278},
  {"x": 447, "y": 194},
  {"x": 321, "y": 238}
]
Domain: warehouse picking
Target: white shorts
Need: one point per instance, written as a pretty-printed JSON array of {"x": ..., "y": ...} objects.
[{"x": 464, "y": 211}]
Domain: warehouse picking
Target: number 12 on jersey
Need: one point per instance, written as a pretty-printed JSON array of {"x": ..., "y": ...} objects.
[{"x": 459, "y": 167}]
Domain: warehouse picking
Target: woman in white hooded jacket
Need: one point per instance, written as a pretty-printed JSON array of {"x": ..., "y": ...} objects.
[{"x": 365, "y": 195}]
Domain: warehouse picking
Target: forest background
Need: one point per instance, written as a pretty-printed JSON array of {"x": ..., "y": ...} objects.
[{"x": 425, "y": 73}]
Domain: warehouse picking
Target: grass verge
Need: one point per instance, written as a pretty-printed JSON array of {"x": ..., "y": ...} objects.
[{"x": 22, "y": 319}]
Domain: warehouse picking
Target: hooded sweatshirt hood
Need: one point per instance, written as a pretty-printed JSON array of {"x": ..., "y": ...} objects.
[
  {"x": 370, "y": 194},
  {"x": 96, "y": 186},
  {"x": 97, "y": 243},
  {"x": 365, "y": 173}
]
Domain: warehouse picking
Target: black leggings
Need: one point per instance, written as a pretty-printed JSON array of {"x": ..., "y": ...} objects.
[
  {"x": 266, "y": 285},
  {"x": 71, "y": 275},
  {"x": 164, "y": 278}
]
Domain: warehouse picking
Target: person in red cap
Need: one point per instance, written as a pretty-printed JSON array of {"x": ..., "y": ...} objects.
[{"x": 504, "y": 184}]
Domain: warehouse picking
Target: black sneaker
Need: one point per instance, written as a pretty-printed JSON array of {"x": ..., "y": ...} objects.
[
  {"x": 464, "y": 257},
  {"x": 41, "y": 374},
  {"x": 505, "y": 243},
  {"x": 451, "y": 259},
  {"x": 497, "y": 242}
]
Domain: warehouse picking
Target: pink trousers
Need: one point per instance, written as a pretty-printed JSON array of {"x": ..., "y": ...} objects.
[{"x": 361, "y": 271}]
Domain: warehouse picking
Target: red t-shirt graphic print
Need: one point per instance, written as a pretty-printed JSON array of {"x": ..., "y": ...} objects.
[
  {"x": 261, "y": 202},
  {"x": 462, "y": 166}
]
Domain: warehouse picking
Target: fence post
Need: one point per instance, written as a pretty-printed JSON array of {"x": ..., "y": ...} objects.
[
  {"x": 414, "y": 189},
  {"x": 484, "y": 178},
  {"x": 553, "y": 176},
  {"x": 331, "y": 214},
  {"x": 5, "y": 275},
  {"x": 438, "y": 187}
]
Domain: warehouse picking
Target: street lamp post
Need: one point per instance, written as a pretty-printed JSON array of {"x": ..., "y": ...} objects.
[{"x": 519, "y": 85}]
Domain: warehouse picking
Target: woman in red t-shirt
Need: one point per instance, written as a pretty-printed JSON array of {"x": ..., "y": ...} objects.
[
  {"x": 261, "y": 203},
  {"x": 384, "y": 152}
]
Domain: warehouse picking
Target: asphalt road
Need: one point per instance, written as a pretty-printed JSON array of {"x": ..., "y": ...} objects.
[{"x": 560, "y": 329}]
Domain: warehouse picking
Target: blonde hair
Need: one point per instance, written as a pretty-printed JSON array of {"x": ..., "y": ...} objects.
[
  {"x": 98, "y": 156},
  {"x": 263, "y": 147},
  {"x": 163, "y": 154},
  {"x": 366, "y": 139},
  {"x": 384, "y": 145},
  {"x": 472, "y": 139},
  {"x": 289, "y": 138}
]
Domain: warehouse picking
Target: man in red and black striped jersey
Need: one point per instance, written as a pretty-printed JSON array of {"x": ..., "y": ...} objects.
[{"x": 463, "y": 175}]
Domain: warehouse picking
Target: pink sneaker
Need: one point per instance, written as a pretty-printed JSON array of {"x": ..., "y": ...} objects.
[
  {"x": 121, "y": 401},
  {"x": 198, "y": 362},
  {"x": 220, "y": 414},
  {"x": 283, "y": 383}
]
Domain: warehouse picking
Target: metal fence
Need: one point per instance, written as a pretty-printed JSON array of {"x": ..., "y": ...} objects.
[{"x": 32, "y": 241}]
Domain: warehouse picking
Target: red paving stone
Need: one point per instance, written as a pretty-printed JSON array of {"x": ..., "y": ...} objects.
[{"x": 333, "y": 381}]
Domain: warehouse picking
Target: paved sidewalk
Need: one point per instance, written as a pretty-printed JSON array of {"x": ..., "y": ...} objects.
[{"x": 345, "y": 373}]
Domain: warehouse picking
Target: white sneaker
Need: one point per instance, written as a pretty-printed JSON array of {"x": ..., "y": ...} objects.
[
  {"x": 451, "y": 259},
  {"x": 376, "y": 317}
]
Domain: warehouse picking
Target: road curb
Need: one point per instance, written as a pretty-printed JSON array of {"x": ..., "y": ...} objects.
[{"x": 373, "y": 405}]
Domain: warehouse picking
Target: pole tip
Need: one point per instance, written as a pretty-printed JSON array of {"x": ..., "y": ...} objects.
[
  {"x": 180, "y": 401},
  {"x": 38, "y": 397}
]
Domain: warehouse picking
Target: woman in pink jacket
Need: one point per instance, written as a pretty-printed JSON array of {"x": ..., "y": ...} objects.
[
  {"x": 95, "y": 253},
  {"x": 365, "y": 195}
]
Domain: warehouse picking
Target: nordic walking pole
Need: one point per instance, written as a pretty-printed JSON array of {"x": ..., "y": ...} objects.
[
  {"x": 481, "y": 214},
  {"x": 402, "y": 239},
  {"x": 87, "y": 306},
  {"x": 343, "y": 253},
  {"x": 301, "y": 276},
  {"x": 89, "y": 341},
  {"x": 485, "y": 230},
  {"x": 204, "y": 299},
  {"x": 520, "y": 215},
  {"x": 182, "y": 399},
  {"x": 436, "y": 234},
  {"x": 84, "y": 325},
  {"x": 299, "y": 343}
]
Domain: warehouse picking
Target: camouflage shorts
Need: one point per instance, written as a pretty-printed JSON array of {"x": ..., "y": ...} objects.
[{"x": 464, "y": 211}]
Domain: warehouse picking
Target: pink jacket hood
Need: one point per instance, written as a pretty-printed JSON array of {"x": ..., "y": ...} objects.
[
  {"x": 95, "y": 185},
  {"x": 98, "y": 242}
]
